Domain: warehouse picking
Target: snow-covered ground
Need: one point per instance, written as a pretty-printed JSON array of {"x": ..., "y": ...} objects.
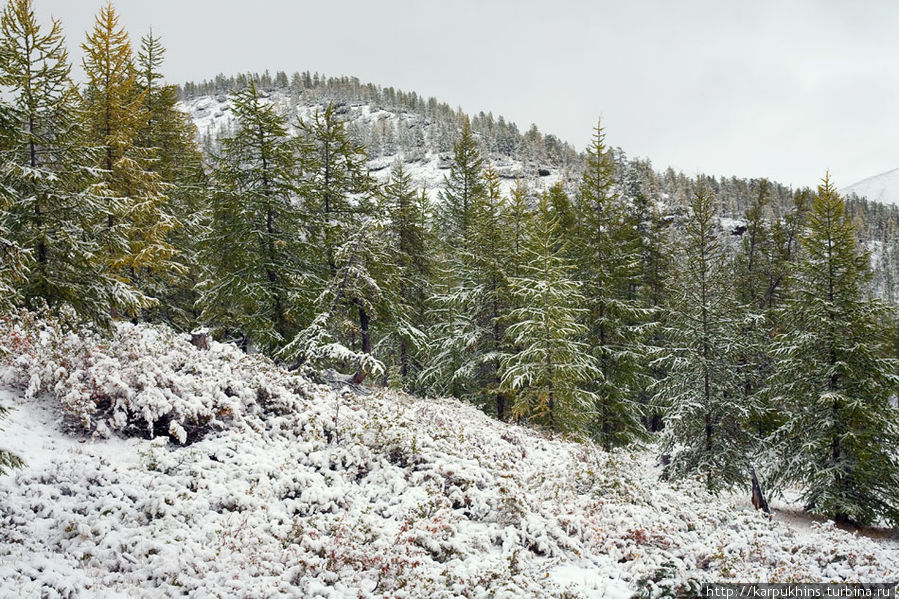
[
  {"x": 299, "y": 490},
  {"x": 214, "y": 117},
  {"x": 883, "y": 188}
]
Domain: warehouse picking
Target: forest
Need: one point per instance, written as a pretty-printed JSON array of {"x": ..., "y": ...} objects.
[{"x": 615, "y": 306}]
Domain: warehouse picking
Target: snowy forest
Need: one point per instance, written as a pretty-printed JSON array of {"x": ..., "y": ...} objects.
[{"x": 367, "y": 239}]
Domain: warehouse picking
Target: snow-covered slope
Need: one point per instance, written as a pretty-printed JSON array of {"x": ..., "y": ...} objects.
[
  {"x": 299, "y": 490},
  {"x": 426, "y": 164},
  {"x": 883, "y": 188}
]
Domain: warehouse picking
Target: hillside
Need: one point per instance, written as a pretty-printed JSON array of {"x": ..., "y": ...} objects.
[
  {"x": 424, "y": 144},
  {"x": 291, "y": 488},
  {"x": 882, "y": 188},
  {"x": 395, "y": 125}
]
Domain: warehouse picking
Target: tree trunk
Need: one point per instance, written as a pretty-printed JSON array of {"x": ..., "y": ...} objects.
[
  {"x": 758, "y": 498},
  {"x": 366, "y": 343}
]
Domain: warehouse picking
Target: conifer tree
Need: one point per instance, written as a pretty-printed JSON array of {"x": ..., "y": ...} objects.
[
  {"x": 408, "y": 248},
  {"x": 649, "y": 288},
  {"x": 519, "y": 217},
  {"x": 170, "y": 140},
  {"x": 51, "y": 209},
  {"x": 473, "y": 299},
  {"x": 355, "y": 287},
  {"x": 254, "y": 249},
  {"x": 834, "y": 379},
  {"x": 463, "y": 190},
  {"x": 549, "y": 367},
  {"x": 455, "y": 353},
  {"x": 138, "y": 221},
  {"x": 337, "y": 193},
  {"x": 706, "y": 413},
  {"x": 490, "y": 301},
  {"x": 13, "y": 259},
  {"x": 606, "y": 249},
  {"x": 752, "y": 265},
  {"x": 785, "y": 236},
  {"x": 8, "y": 460},
  {"x": 334, "y": 170}
]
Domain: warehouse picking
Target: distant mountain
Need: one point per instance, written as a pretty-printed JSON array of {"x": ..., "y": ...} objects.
[{"x": 883, "y": 188}]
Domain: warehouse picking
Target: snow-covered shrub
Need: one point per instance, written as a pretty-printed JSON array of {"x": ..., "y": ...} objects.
[{"x": 142, "y": 379}]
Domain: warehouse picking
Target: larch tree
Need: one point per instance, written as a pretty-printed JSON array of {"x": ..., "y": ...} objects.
[
  {"x": 336, "y": 185},
  {"x": 519, "y": 218},
  {"x": 51, "y": 210},
  {"x": 409, "y": 244},
  {"x": 606, "y": 252},
  {"x": 490, "y": 299},
  {"x": 337, "y": 195},
  {"x": 335, "y": 337},
  {"x": 649, "y": 235},
  {"x": 463, "y": 189},
  {"x": 138, "y": 220},
  {"x": 473, "y": 298},
  {"x": 455, "y": 352},
  {"x": 835, "y": 379},
  {"x": 170, "y": 140},
  {"x": 8, "y": 460},
  {"x": 706, "y": 413},
  {"x": 254, "y": 250},
  {"x": 549, "y": 367}
]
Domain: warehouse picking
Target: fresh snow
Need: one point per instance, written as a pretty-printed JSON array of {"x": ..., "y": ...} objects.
[
  {"x": 883, "y": 188},
  {"x": 308, "y": 491},
  {"x": 214, "y": 118}
]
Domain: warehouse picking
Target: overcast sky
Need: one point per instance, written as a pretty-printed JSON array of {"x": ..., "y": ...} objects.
[{"x": 783, "y": 89}]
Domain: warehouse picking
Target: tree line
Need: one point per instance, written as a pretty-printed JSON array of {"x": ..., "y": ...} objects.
[{"x": 587, "y": 308}]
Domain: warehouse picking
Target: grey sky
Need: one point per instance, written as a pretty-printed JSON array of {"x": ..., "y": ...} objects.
[{"x": 778, "y": 89}]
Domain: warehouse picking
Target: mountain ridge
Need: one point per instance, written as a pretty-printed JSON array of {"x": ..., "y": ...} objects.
[{"x": 882, "y": 188}]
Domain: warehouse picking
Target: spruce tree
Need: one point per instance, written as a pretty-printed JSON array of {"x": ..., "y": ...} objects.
[
  {"x": 605, "y": 250},
  {"x": 51, "y": 209},
  {"x": 706, "y": 414},
  {"x": 138, "y": 220},
  {"x": 834, "y": 377},
  {"x": 548, "y": 368},
  {"x": 254, "y": 249}
]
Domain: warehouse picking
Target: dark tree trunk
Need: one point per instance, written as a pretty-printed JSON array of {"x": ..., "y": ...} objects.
[
  {"x": 758, "y": 498},
  {"x": 366, "y": 343}
]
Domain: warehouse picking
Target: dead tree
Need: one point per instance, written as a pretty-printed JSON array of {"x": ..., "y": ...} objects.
[{"x": 758, "y": 498}]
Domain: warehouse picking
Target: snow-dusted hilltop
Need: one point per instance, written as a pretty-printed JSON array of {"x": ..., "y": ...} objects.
[
  {"x": 423, "y": 143},
  {"x": 260, "y": 482},
  {"x": 882, "y": 188}
]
